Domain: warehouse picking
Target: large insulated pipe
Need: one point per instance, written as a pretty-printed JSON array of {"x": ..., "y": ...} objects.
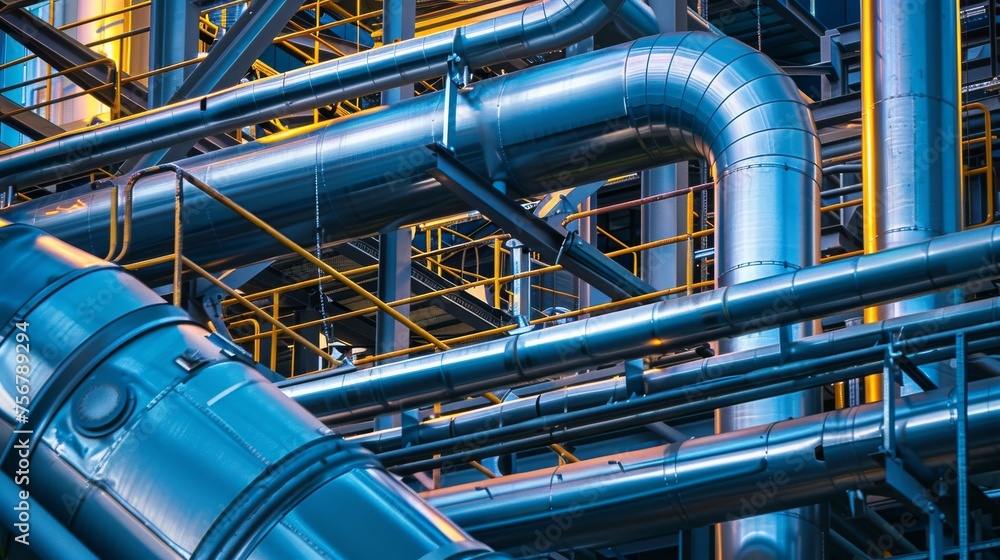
[
  {"x": 808, "y": 293},
  {"x": 836, "y": 349},
  {"x": 659, "y": 99},
  {"x": 542, "y": 27},
  {"x": 147, "y": 437},
  {"x": 766, "y": 225},
  {"x": 910, "y": 136},
  {"x": 729, "y": 476}
]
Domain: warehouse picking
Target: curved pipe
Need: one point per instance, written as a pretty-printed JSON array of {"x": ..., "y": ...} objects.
[
  {"x": 768, "y": 468},
  {"x": 657, "y": 100},
  {"x": 830, "y": 347},
  {"x": 941, "y": 263},
  {"x": 543, "y": 27},
  {"x": 147, "y": 437}
]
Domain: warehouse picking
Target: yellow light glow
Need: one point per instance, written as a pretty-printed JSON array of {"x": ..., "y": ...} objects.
[{"x": 78, "y": 205}]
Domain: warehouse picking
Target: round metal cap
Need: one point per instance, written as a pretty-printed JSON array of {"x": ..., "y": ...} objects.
[{"x": 101, "y": 408}]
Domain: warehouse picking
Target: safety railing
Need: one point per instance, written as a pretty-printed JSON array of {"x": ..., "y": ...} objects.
[
  {"x": 117, "y": 253},
  {"x": 436, "y": 253},
  {"x": 113, "y": 79},
  {"x": 985, "y": 170},
  {"x": 688, "y": 237}
]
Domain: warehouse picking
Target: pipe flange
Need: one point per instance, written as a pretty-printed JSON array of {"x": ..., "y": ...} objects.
[{"x": 102, "y": 407}]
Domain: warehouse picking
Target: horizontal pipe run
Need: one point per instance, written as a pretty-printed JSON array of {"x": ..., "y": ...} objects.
[
  {"x": 835, "y": 349},
  {"x": 665, "y": 406},
  {"x": 725, "y": 477},
  {"x": 371, "y": 170},
  {"x": 669, "y": 325},
  {"x": 542, "y": 27}
]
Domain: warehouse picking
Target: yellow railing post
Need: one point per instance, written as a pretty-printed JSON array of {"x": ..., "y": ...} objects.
[
  {"x": 497, "y": 272},
  {"x": 690, "y": 243}
]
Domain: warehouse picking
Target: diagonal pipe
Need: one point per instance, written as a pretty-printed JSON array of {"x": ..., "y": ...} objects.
[{"x": 542, "y": 27}]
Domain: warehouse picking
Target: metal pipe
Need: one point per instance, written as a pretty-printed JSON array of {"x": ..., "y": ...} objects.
[
  {"x": 765, "y": 228},
  {"x": 669, "y": 405},
  {"x": 147, "y": 437},
  {"x": 910, "y": 137},
  {"x": 940, "y": 263},
  {"x": 686, "y": 95},
  {"x": 549, "y": 25},
  {"x": 734, "y": 475},
  {"x": 831, "y": 347},
  {"x": 51, "y": 540}
]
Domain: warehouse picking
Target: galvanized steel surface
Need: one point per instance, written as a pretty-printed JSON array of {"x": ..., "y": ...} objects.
[
  {"x": 541, "y": 27},
  {"x": 730, "y": 476},
  {"x": 940, "y": 263},
  {"x": 151, "y": 439}
]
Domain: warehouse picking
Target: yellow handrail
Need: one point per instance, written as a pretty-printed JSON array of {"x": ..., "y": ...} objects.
[
  {"x": 257, "y": 222},
  {"x": 549, "y": 319},
  {"x": 114, "y": 79},
  {"x": 256, "y": 330},
  {"x": 635, "y": 255},
  {"x": 987, "y": 169}
]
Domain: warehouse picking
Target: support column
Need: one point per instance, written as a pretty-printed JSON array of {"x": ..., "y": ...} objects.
[
  {"x": 664, "y": 267},
  {"x": 399, "y": 17},
  {"x": 173, "y": 38},
  {"x": 587, "y": 227}
]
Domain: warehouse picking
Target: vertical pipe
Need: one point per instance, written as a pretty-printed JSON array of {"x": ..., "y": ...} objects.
[
  {"x": 766, "y": 228},
  {"x": 910, "y": 148},
  {"x": 394, "y": 270},
  {"x": 399, "y": 18},
  {"x": 586, "y": 227}
]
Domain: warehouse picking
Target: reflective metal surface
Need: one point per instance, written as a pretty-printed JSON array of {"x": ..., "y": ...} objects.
[
  {"x": 766, "y": 211},
  {"x": 735, "y": 475},
  {"x": 680, "y": 96},
  {"x": 937, "y": 264},
  {"x": 910, "y": 135},
  {"x": 828, "y": 347},
  {"x": 153, "y": 439},
  {"x": 542, "y": 27}
]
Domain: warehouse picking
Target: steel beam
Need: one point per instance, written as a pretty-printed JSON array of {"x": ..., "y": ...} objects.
[
  {"x": 227, "y": 62},
  {"x": 560, "y": 247},
  {"x": 64, "y": 53}
]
